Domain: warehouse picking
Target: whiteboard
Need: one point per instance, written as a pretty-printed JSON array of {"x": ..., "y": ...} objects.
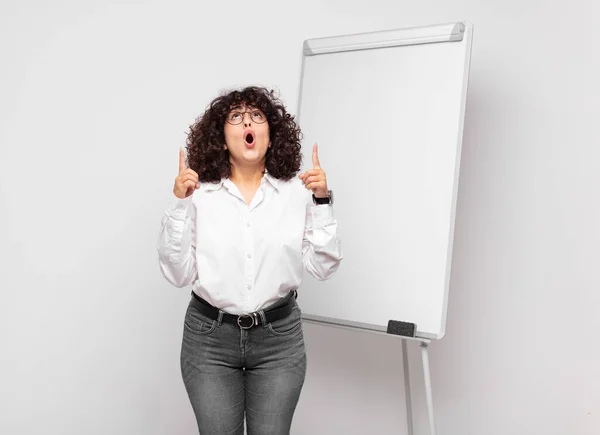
[{"x": 386, "y": 109}]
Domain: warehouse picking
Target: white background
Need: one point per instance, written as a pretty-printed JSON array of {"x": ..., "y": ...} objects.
[{"x": 95, "y": 100}]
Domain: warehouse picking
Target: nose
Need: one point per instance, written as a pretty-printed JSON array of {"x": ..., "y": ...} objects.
[{"x": 249, "y": 122}]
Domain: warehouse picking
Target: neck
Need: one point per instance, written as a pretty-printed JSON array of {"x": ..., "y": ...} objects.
[{"x": 247, "y": 176}]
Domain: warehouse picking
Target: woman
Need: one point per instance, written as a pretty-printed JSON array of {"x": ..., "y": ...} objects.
[{"x": 240, "y": 230}]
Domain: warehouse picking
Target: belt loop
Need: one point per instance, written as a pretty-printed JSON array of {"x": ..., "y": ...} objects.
[
  {"x": 220, "y": 318},
  {"x": 263, "y": 319}
]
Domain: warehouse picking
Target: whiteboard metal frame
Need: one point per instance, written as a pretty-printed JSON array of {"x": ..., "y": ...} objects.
[
  {"x": 388, "y": 38},
  {"x": 440, "y": 33}
]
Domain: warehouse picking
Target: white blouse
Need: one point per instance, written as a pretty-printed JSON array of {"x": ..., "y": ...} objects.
[{"x": 242, "y": 258}]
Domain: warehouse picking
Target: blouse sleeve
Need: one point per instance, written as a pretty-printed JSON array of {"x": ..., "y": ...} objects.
[
  {"x": 176, "y": 243},
  {"x": 321, "y": 245}
]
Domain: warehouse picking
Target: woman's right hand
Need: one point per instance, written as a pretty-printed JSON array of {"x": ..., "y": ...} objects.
[{"x": 187, "y": 180}]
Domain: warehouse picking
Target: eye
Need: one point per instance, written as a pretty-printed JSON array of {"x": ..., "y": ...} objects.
[
  {"x": 234, "y": 115},
  {"x": 257, "y": 115}
]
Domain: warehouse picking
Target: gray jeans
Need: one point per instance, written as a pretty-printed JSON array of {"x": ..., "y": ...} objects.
[{"x": 230, "y": 372}]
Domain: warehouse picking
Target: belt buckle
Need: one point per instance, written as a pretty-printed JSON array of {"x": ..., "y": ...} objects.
[{"x": 245, "y": 316}]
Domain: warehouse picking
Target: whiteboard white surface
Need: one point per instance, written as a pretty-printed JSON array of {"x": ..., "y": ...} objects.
[{"x": 388, "y": 122}]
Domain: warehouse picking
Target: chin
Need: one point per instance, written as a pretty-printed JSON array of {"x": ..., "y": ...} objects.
[{"x": 254, "y": 153}]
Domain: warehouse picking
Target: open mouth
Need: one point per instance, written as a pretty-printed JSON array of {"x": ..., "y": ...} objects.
[{"x": 249, "y": 138}]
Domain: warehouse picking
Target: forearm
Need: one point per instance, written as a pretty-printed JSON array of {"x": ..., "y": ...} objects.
[
  {"x": 322, "y": 249},
  {"x": 176, "y": 245}
]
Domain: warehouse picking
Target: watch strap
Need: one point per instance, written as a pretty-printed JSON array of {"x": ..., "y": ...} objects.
[{"x": 326, "y": 200}]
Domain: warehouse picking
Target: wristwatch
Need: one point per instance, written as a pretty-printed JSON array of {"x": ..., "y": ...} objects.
[{"x": 327, "y": 200}]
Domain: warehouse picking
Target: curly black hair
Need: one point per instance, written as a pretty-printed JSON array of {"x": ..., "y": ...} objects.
[{"x": 206, "y": 138}]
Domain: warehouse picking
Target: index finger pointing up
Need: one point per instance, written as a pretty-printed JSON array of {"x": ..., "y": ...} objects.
[
  {"x": 182, "y": 164},
  {"x": 315, "y": 157}
]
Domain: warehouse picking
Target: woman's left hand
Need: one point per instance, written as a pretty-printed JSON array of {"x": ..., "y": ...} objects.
[{"x": 315, "y": 179}]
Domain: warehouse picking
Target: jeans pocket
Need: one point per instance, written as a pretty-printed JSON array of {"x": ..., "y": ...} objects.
[
  {"x": 197, "y": 323},
  {"x": 288, "y": 325}
]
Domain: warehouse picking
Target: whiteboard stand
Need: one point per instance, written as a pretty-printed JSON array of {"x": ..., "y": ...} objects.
[
  {"x": 418, "y": 78},
  {"x": 428, "y": 392},
  {"x": 427, "y": 378},
  {"x": 409, "y": 419},
  {"x": 424, "y": 345}
]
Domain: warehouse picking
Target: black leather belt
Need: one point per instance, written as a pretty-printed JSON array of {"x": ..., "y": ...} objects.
[{"x": 244, "y": 321}]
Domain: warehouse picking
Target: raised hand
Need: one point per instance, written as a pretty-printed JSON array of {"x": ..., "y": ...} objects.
[
  {"x": 187, "y": 180},
  {"x": 315, "y": 179}
]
